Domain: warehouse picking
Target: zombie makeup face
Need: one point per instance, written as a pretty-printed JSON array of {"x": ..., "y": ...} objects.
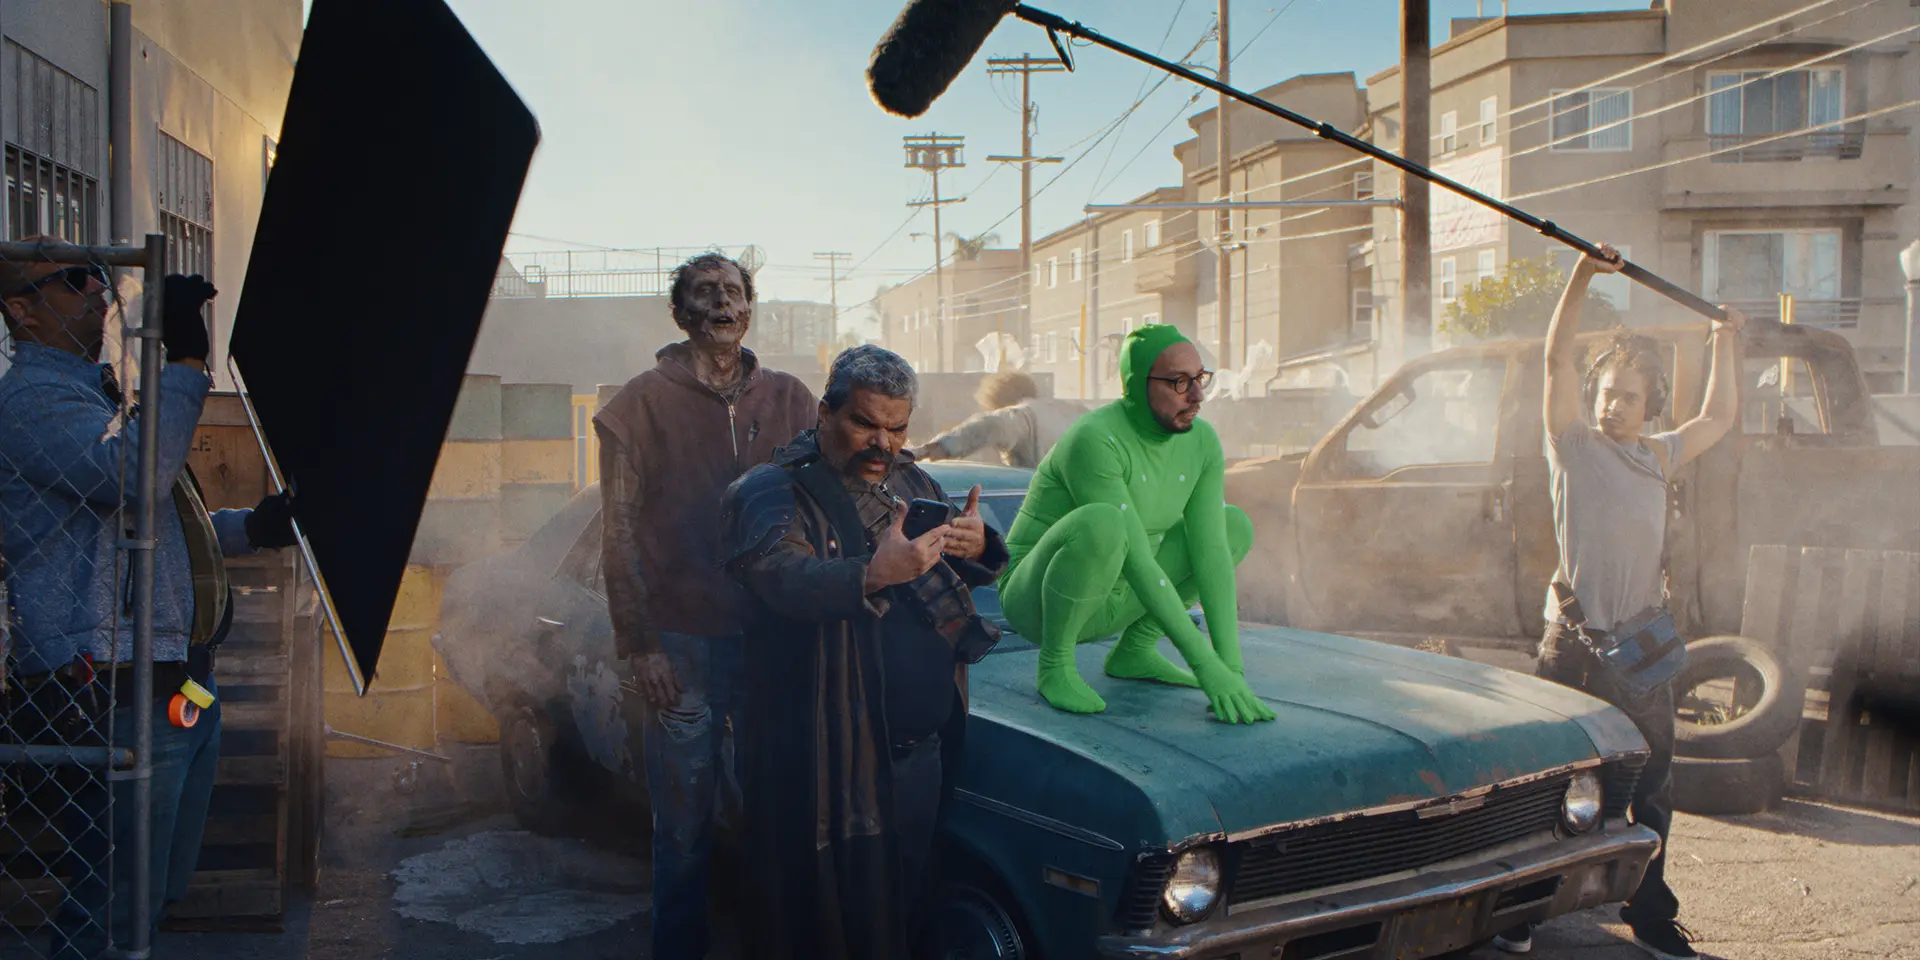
[{"x": 714, "y": 310}]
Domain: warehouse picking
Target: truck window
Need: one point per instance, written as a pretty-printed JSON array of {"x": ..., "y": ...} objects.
[
  {"x": 1781, "y": 396},
  {"x": 1447, "y": 415}
]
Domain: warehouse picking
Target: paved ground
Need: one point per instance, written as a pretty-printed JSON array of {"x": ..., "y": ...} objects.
[{"x": 438, "y": 873}]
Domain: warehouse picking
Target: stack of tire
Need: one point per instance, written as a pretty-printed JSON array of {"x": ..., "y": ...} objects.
[{"x": 1731, "y": 763}]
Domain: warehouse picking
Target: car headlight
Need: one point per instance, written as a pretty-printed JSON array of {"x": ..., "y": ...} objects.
[
  {"x": 1581, "y": 810},
  {"x": 1194, "y": 886}
]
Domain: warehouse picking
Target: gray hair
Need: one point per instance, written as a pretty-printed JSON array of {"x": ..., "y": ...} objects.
[{"x": 869, "y": 367}]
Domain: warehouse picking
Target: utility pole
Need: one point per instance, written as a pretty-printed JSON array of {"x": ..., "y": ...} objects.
[
  {"x": 934, "y": 153},
  {"x": 1223, "y": 153},
  {"x": 1026, "y": 66},
  {"x": 1416, "y": 222},
  {"x": 834, "y": 259}
]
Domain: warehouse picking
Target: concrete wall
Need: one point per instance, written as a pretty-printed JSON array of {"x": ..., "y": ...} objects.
[{"x": 213, "y": 74}]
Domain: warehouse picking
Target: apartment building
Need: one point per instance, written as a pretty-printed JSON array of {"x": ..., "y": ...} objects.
[
  {"x": 1743, "y": 163},
  {"x": 209, "y": 81},
  {"x": 982, "y": 299},
  {"x": 1098, "y": 279},
  {"x": 1290, "y": 293}
]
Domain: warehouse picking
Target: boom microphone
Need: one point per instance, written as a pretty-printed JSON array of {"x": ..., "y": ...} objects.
[{"x": 926, "y": 48}]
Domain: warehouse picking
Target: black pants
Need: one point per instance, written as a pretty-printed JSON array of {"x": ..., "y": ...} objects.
[
  {"x": 916, "y": 816},
  {"x": 1565, "y": 660}
]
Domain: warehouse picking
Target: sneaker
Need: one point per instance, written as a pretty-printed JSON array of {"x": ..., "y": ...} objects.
[
  {"x": 1515, "y": 939},
  {"x": 1665, "y": 940}
]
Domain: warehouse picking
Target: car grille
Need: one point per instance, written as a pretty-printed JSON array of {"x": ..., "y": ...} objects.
[
  {"x": 1323, "y": 855},
  {"x": 1618, "y": 779},
  {"x": 1140, "y": 905}
]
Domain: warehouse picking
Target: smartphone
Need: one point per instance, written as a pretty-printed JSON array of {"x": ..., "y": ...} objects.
[{"x": 924, "y": 515}]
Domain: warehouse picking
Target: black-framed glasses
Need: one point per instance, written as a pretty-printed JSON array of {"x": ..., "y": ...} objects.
[
  {"x": 1184, "y": 382},
  {"x": 75, "y": 277}
]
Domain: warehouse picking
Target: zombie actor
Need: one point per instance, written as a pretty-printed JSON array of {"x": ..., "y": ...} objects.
[
  {"x": 1014, "y": 421},
  {"x": 856, "y": 670},
  {"x": 1610, "y": 515},
  {"x": 670, "y": 442},
  {"x": 1124, "y": 527}
]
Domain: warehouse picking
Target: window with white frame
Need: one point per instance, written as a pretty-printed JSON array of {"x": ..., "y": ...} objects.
[
  {"x": 1483, "y": 265},
  {"x": 1363, "y": 183},
  {"x": 1149, "y": 319},
  {"x": 185, "y": 195},
  {"x": 1126, "y": 325},
  {"x": 1073, "y": 264},
  {"x": 1489, "y": 121},
  {"x": 1151, "y": 234},
  {"x": 1053, "y": 347},
  {"x": 1361, "y": 318},
  {"x": 1126, "y": 246},
  {"x": 1750, "y": 105},
  {"x": 1449, "y": 131},
  {"x": 1053, "y": 272},
  {"x": 1449, "y": 279},
  {"x": 1752, "y": 268},
  {"x": 1593, "y": 120}
]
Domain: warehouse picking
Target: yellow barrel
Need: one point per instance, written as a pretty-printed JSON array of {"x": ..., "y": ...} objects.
[
  {"x": 399, "y": 707},
  {"x": 536, "y": 456},
  {"x": 460, "y": 522}
]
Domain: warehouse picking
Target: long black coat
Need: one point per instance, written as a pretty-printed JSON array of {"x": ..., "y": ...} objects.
[{"x": 823, "y": 880}]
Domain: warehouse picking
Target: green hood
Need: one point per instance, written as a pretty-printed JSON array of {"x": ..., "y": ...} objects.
[{"x": 1137, "y": 353}]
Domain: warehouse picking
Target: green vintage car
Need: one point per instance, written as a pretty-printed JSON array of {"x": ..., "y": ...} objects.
[{"x": 1402, "y": 805}]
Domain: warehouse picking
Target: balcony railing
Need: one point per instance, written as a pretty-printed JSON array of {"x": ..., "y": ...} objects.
[
  {"x": 1841, "y": 314},
  {"x": 1832, "y": 144}
]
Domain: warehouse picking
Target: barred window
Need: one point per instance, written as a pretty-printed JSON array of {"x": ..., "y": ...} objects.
[
  {"x": 52, "y": 152},
  {"x": 186, "y": 207}
]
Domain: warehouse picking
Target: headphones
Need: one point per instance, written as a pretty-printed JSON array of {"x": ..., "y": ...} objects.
[{"x": 1590, "y": 388}]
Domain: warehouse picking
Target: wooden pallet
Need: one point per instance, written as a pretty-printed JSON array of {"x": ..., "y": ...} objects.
[{"x": 1849, "y": 621}]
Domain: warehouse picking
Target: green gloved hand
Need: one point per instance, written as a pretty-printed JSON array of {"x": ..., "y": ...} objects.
[{"x": 1227, "y": 691}]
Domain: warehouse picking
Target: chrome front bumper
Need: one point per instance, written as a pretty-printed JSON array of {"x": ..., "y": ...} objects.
[{"x": 1432, "y": 913}]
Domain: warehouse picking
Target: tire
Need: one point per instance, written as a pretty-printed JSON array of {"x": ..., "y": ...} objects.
[
  {"x": 1723, "y": 787},
  {"x": 527, "y": 770},
  {"x": 975, "y": 921},
  {"x": 1758, "y": 728}
]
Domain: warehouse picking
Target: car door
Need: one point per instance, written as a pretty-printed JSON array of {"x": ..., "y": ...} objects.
[{"x": 1402, "y": 514}]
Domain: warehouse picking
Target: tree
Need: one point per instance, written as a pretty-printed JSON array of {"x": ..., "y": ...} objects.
[
  {"x": 1518, "y": 303},
  {"x": 970, "y": 248}
]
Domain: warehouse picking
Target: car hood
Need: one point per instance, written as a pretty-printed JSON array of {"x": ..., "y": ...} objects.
[{"x": 1360, "y": 724}]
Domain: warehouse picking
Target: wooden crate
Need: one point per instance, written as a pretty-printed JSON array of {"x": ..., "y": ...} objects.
[{"x": 1849, "y": 621}]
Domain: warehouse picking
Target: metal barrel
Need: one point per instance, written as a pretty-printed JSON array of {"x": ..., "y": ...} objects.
[
  {"x": 399, "y": 709},
  {"x": 536, "y": 456}
]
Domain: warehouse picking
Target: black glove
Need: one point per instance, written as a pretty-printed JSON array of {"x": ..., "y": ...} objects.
[
  {"x": 270, "y": 525},
  {"x": 182, "y": 330}
]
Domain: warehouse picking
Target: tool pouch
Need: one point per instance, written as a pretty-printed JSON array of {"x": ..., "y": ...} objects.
[{"x": 1640, "y": 655}]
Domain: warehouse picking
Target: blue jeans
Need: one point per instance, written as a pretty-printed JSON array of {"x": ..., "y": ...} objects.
[
  {"x": 691, "y": 776},
  {"x": 185, "y": 762}
]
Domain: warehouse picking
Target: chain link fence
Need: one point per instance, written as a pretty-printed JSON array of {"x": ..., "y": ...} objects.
[{"x": 80, "y": 497}]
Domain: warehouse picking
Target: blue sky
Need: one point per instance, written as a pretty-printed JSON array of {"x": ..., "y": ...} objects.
[{"x": 748, "y": 121}]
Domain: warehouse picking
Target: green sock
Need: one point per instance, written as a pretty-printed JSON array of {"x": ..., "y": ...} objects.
[
  {"x": 1060, "y": 681},
  {"x": 1137, "y": 656}
]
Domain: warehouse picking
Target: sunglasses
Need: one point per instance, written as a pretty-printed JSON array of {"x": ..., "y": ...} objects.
[
  {"x": 76, "y": 279},
  {"x": 1184, "y": 383}
]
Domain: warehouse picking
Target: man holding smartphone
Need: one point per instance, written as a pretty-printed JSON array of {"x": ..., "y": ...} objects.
[{"x": 856, "y": 668}]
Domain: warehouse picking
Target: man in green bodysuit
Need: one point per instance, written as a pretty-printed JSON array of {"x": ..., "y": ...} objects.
[{"x": 1125, "y": 525}]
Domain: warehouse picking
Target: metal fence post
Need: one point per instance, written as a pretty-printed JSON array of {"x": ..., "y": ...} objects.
[{"x": 151, "y": 363}]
